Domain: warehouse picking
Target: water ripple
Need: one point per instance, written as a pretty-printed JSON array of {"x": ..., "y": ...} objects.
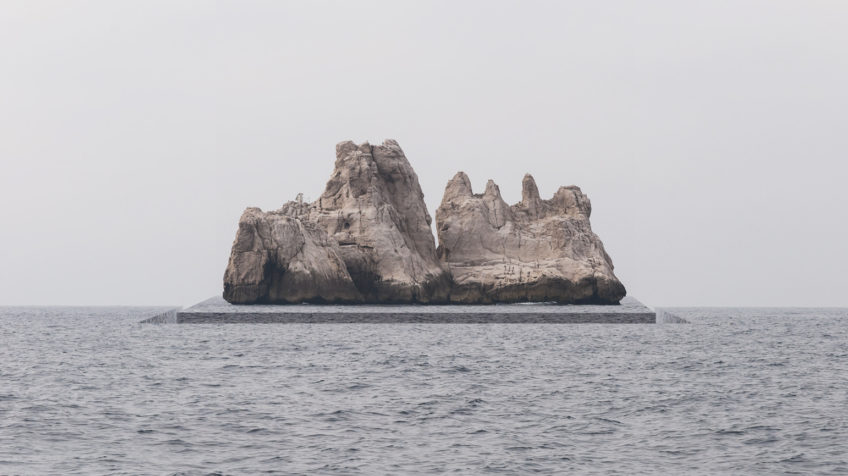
[{"x": 737, "y": 391}]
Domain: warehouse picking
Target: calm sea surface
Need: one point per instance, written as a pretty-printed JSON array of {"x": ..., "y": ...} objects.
[{"x": 737, "y": 391}]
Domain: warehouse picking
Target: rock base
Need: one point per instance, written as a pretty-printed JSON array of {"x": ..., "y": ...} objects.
[{"x": 217, "y": 311}]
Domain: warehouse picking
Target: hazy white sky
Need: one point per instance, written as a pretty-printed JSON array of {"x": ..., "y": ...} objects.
[{"x": 710, "y": 136}]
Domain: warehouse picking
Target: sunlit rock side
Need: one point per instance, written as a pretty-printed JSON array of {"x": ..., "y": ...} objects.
[
  {"x": 279, "y": 259},
  {"x": 535, "y": 250}
]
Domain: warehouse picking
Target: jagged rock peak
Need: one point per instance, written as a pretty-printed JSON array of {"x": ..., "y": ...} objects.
[
  {"x": 530, "y": 195},
  {"x": 458, "y": 186},
  {"x": 492, "y": 190},
  {"x": 529, "y": 190},
  {"x": 571, "y": 200}
]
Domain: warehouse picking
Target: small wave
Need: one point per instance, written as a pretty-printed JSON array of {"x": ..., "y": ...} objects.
[
  {"x": 799, "y": 458},
  {"x": 608, "y": 420},
  {"x": 730, "y": 432},
  {"x": 760, "y": 441}
]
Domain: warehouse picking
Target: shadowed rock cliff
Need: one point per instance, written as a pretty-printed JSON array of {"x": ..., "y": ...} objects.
[
  {"x": 535, "y": 250},
  {"x": 278, "y": 259}
]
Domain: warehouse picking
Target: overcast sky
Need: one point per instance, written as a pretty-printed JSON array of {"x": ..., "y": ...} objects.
[{"x": 710, "y": 136}]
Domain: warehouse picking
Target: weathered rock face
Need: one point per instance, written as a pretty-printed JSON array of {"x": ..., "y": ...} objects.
[
  {"x": 372, "y": 229},
  {"x": 374, "y": 208},
  {"x": 279, "y": 259},
  {"x": 367, "y": 239},
  {"x": 535, "y": 250}
]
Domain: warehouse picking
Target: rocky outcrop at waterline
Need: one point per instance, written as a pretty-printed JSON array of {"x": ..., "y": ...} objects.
[
  {"x": 279, "y": 259},
  {"x": 368, "y": 239},
  {"x": 535, "y": 250}
]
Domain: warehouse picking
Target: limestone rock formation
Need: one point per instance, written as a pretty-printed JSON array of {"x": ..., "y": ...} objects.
[
  {"x": 279, "y": 259},
  {"x": 367, "y": 239},
  {"x": 535, "y": 250},
  {"x": 374, "y": 222},
  {"x": 374, "y": 208}
]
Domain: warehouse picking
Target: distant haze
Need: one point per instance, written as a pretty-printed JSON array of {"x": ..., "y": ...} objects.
[{"x": 710, "y": 136}]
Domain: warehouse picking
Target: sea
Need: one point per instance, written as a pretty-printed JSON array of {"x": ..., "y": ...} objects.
[{"x": 90, "y": 390}]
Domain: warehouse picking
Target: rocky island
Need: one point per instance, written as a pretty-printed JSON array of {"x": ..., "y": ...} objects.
[{"x": 368, "y": 239}]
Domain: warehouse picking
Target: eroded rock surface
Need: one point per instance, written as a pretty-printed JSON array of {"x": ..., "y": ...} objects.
[
  {"x": 535, "y": 250},
  {"x": 374, "y": 208},
  {"x": 377, "y": 238},
  {"x": 367, "y": 239},
  {"x": 279, "y": 259}
]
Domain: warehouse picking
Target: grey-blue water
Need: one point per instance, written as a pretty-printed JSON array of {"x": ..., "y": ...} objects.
[{"x": 738, "y": 391}]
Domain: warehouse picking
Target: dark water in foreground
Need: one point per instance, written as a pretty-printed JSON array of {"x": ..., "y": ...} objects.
[{"x": 738, "y": 391}]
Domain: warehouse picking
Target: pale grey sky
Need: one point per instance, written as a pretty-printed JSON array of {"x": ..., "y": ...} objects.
[{"x": 710, "y": 136}]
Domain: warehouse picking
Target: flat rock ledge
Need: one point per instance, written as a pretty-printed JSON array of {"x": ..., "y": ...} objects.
[{"x": 218, "y": 311}]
